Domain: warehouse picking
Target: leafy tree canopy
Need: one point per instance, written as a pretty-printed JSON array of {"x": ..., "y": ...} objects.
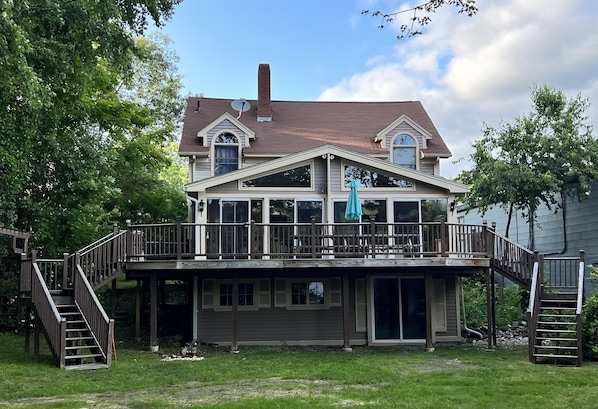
[{"x": 540, "y": 158}]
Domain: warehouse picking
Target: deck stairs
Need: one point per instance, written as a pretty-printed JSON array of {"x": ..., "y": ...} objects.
[
  {"x": 81, "y": 348},
  {"x": 557, "y": 330}
]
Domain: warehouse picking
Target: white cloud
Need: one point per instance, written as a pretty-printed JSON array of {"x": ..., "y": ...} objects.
[{"x": 471, "y": 71}]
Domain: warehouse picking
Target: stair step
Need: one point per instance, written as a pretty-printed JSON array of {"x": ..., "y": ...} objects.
[
  {"x": 557, "y": 331},
  {"x": 95, "y": 365},
  {"x": 557, "y": 339},
  {"x": 555, "y": 356},
  {"x": 558, "y": 315},
  {"x": 555, "y": 347},
  {"x": 81, "y": 347},
  {"x": 83, "y": 356},
  {"x": 79, "y": 338},
  {"x": 557, "y": 322}
]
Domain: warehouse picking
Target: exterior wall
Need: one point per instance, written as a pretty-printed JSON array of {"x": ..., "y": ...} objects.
[{"x": 275, "y": 325}]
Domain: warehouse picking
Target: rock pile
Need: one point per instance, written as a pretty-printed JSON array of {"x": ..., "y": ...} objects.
[{"x": 512, "y": 336}]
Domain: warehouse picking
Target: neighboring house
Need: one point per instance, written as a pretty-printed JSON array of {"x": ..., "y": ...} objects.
[
  {"x": 557, "y": 232},
  {"x": 282, "y": 162}
]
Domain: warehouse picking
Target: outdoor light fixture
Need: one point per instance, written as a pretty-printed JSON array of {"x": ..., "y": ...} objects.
[
  {"x": 201, "y": 206},
  {"x": 453, "y": 204}
]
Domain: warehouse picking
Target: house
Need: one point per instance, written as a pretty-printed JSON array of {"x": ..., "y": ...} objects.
[
  {"x": 285, "y": 164},
  {"x": 310, "y": 223}
]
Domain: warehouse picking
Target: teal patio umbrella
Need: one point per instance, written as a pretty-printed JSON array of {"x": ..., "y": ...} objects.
[{"x": 353, "y": 210}]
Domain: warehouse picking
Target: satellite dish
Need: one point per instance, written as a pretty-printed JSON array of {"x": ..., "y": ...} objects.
[{"x": 240, "y": 105}]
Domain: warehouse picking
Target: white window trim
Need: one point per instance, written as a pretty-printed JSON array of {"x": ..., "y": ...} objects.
[
  {"x": 332, "y": 293},
  {"x": 261, "y": 294},
  {"x": 417, "y": 148},
  {"x": 213, "y": 149}
]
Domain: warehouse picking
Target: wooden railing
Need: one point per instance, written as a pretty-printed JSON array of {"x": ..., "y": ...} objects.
[
  {"x": 561, "y": 274},
  {"x": 53, "y": 325},
  {"x": 102, "y": 328},
  {"x": 510, "y": 259},
  {"x": 304, "y": 240},
  {"x": 534, "y": 305},
  {"x": 104, "y": 260}
]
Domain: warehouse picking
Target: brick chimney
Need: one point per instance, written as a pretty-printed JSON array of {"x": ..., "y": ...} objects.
[{"x": 264, "y": 102}]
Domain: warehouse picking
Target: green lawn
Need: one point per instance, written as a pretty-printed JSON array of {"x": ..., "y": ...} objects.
[{"x": 261, "y": 377}]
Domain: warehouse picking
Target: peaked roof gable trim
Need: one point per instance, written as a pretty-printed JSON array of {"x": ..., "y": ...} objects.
[
  {"x": 381, "y": 136},
  {"x": 289, "y": 160},
  {"x": 249, "y": 134}
]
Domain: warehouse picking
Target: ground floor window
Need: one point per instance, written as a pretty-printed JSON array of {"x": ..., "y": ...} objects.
[
  {"x": 307, "y": 293},
  {"x": 252, "y": 294}
]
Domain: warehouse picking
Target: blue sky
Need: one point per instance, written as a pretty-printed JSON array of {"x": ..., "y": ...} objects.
[{"x": 466, "y": 71}]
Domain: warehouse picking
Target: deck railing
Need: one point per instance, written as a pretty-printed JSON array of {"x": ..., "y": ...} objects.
[
  {"x": 102, "y": 328},
  {"x": 511, "y": 259},
  {"x": 53, "y": 325},
  {"x": 304, "y": 240},
  {"x": 101, "y": 262}
]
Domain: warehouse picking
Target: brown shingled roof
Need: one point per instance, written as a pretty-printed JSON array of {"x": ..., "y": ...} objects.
[{"x": 297, "y": 126}]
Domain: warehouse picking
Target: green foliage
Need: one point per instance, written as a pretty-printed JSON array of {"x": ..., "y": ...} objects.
[
  {"x": 590, "y": 321},
  {"x": 543, "y": 156},
  {"x": 509, "y": 307}
]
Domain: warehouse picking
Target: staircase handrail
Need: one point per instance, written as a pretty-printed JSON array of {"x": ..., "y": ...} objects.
[
  {"x": 533, "y": 306},
  {"x": 579, "y": 306},
  {"x": 105, "y": 259},
  {"x": 54, "y": 325},
  {"x": 511, "y": 259},
  {"x": 100, "y": 325}
]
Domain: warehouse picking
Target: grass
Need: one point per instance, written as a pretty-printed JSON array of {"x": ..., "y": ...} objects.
[{"x": 261, "y": 377}]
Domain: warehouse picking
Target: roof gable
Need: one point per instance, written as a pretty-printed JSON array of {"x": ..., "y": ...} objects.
[
  {"x": 381, "y": 136},
  {"x": 226, "y": 116},
  {"x": 338, "y": 152}
]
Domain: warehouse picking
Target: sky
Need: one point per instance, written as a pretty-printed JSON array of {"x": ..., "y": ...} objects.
[{"x": 467, "y": 72}]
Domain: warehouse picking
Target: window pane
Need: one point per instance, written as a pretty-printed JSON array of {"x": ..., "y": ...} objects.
[
  {"x": 367, "y": 178},
  {"x": 282, "y": 211},
  {"x": 307, "y": 209},
  {"x": 298, "y": 294},
  {"x": 404, "y": 157},
  {"x": 298, "y": 177},
  {"x": 433, "y": 210},
  {"x": 226, "y": 159},
  {"x": 246, "y": 294},
  {"x": 226, "y": 295},
  {"x": 316, "y": 292}
]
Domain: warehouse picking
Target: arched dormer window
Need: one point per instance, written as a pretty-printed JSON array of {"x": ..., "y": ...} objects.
[
  {"x": 404, "y": 151},
  {"x": 226, "y": 153}
]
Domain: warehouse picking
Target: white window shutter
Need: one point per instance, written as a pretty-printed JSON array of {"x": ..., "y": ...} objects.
[
  {"x": 264, "y": 293},
  {"x": 280, "y": 293},
  {"x": 207, "y": 299},
  {"x": 439, "y": 306},
  {"x": 361, "y": 305},
  {"x": 335, "y": 292}
]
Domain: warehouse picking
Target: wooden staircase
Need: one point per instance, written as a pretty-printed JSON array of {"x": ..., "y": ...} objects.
[
  {"x": 557, "y": 331},
  {"x": 81, "y": 348},
  {"x": 61, "y": 293}
]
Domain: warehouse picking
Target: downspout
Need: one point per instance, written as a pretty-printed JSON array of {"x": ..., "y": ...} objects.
[{"x": 468, "y": 330}]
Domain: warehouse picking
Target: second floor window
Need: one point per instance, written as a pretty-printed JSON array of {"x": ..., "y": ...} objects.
[
  {"x": 226, "y": 153},
  {"x": 404, "y": 151}
]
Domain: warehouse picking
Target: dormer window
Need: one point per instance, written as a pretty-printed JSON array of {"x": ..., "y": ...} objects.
[
  {"x": 226, "y": 153},
  {"x": 404, "y": 151}
]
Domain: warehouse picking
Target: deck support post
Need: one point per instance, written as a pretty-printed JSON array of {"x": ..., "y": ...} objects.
[
  {"x": 113, "y": 298},
  {"x": 429, "y": 290},
  {"x": 138, "y": 310},
  {"x": 153, "y": 310},
  {"x": 489, "y": 308},
  {"x": 346, "y": 313},
  {"x": 235, "y": 314}
]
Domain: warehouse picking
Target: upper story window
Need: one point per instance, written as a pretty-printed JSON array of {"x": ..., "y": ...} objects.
[
  {"x": 296, "y": 177},
  {"x": 366, "y": 178},
  {"x": 226, "y": 153},
  {"x": 404, "y": 151}
]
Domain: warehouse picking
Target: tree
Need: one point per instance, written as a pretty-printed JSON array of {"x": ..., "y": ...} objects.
[
  {"x": 409, "y": 29},
  {"x": 59, "y": 63},
  {"x": 544, "y": 157}
]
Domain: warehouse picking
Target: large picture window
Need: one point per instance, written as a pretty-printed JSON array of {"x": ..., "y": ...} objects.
[
  {"x": 366, "y": 178},
  {"x": 307, "y": 293},
  {"x": 296, "y": 177}
]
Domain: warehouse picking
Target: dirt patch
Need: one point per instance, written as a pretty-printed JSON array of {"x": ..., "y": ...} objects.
[
  {"x": 442, "y": 365},
  {"x": 196, "y": 394}
]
